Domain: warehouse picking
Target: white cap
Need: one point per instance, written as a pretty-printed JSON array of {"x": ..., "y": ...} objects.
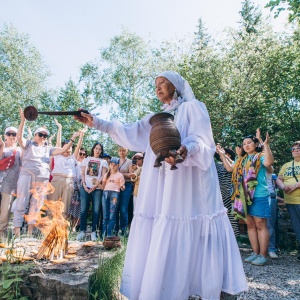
[
  {"x": 138, "y": 155},
  {"x": 41, "y": 129},
  {"x": 11, "y": 128}
]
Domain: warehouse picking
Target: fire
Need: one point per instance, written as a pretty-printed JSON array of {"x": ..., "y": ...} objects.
[{"x": 50, "y": 221}]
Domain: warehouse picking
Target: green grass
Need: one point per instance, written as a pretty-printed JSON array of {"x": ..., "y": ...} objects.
[{"x": 104, "y": 283}]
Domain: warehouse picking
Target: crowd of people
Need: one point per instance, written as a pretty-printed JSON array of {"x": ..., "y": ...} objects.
[
  {"x": 78, "y": 179},
  {"x": 184, "y": 220}
]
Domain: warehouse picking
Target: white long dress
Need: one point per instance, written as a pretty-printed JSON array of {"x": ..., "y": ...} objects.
[{"x": 181, "y": 242}]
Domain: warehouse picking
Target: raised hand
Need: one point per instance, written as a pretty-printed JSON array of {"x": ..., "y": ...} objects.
[
  {"x": 51, "y": 138},
  {"x": 57, "y": 123},
  {"x": 22, "y": 117},
  {"x": 238, "y": 151},
  {"x": 267, "y": 140},
  {"x": 84, "y": 129},
  {"x": 258, "y": 133},
  {"x": 75, "y": 135},
  {"x": 220, "y": 150}
]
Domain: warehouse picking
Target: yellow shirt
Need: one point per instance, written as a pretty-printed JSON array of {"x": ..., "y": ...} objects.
[{"x": 287, "y": 174}]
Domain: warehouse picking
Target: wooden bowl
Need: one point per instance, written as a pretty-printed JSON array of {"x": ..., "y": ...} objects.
[{"x": 111, "y": 242}]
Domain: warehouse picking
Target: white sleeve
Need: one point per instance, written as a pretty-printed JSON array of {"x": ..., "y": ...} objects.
[
  {"x": 104, "y": 164},
  {"x": 199, "y": 140},
  {"x": 134, "y": 136},
  {"x": 84, "y": 162}
]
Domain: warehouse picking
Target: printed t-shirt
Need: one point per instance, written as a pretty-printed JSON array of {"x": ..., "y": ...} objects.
[
  {"x": 93, "y": 170},
  {"x": 115, "y": 181},
  {"x": 288, "y": 179}
]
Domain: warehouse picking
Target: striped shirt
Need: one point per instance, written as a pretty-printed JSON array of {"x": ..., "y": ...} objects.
[{"x": 225, "y": 187}]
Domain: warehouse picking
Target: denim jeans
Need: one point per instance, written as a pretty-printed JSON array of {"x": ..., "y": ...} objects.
[
  {"x": 294, "y": 212},
  {"x": 85, "y": 198},
  {"x": 271, "y": 224},
  {"x": 123, "y": 207},
  {"x": 110, "y": 204}
]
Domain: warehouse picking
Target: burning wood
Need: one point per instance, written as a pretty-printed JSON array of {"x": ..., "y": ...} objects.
[{"x": 54, "y": 226}]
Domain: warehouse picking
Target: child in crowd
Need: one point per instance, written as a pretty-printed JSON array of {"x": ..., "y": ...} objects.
[{"x": 113, "y": 181}]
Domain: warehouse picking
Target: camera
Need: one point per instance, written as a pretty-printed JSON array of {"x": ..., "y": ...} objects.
[{"x": 134, "y": 162}]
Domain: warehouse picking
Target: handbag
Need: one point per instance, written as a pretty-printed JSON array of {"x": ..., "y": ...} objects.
[{"x": 7, "y": 162}]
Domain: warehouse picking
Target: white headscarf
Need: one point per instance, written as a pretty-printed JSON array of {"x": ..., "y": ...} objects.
[{"x": 183, "y": 88}]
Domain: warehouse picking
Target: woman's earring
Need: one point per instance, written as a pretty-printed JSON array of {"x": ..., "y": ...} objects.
[{"x": 175, "y": 95}]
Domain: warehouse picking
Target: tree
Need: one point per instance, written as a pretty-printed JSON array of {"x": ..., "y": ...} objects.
[
  {"x": 202, "y": 37},
  {"x": 251, "y": 17},
  {"x": 293, "y": 6},
  {"x": 22, "y": 74},
  {"x": 120, "y": 78}
]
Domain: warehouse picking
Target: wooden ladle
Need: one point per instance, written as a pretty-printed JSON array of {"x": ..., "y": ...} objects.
[{"x": 31, "y": 113}]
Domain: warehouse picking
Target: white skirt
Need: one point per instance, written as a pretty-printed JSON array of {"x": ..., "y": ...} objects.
[{"x": 172, "y": 258}]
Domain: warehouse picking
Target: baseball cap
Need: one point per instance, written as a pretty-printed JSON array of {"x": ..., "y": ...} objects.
[
  {"x": 41, "y": 129},
  {"x": 114, "y": 160},
  {"x": 11, "y": 128},
  {"x": 106, "y": 155}
]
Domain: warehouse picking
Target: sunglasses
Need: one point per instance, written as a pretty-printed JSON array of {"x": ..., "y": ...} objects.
[
  {"x": 44, "y": 135},
  {"x": 82, "y": 153},
  {"x": 295, "y": 149},
  {"x": 139, "y": 158},
  {"x": 11, "y": 134}
]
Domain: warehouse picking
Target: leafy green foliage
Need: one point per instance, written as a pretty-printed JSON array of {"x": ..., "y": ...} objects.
[
  {"x": 122, "y": 82},
  {"x": 11, "y": 278},
  {"x": 251, "y": 17},
  {"x": 293, "y": 6},
  {"x": 22, "y": 74}
]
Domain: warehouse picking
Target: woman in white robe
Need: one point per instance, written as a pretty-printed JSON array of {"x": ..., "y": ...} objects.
[{"x": 181, "y": 242}]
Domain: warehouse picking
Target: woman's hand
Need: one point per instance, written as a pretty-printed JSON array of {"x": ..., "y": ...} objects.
[
  {"x": 22, "y": 117},
  {"x": 220, "y": 150},
  {"x": 93, "y": 188},
  {"x": 100, "y": 186},
  {"x": 75, "y": 135},
  {"x": 290, "y": 188},
  {"x": 133, "y": 176},
  {"x": 267, "y": 140},
  {"x": 86, "y": 119},
  {"x": 83, "y": 130},
  {"x": 51, "y": 138},
  {"x": 238, "y": 151},
  {"x": 58, "y": 124},
  {"x": 182, "y": 151}
]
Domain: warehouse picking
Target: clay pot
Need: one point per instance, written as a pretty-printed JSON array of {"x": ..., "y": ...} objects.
[
  {"x": 164, "y": 138},
  {"x": 111, "y": 242}
]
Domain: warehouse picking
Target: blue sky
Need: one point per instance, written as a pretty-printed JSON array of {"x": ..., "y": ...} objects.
[{"x": 69, "y": 33}]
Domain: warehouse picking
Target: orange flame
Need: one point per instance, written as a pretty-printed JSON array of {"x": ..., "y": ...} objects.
[{"x": 51, "y": 222}]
